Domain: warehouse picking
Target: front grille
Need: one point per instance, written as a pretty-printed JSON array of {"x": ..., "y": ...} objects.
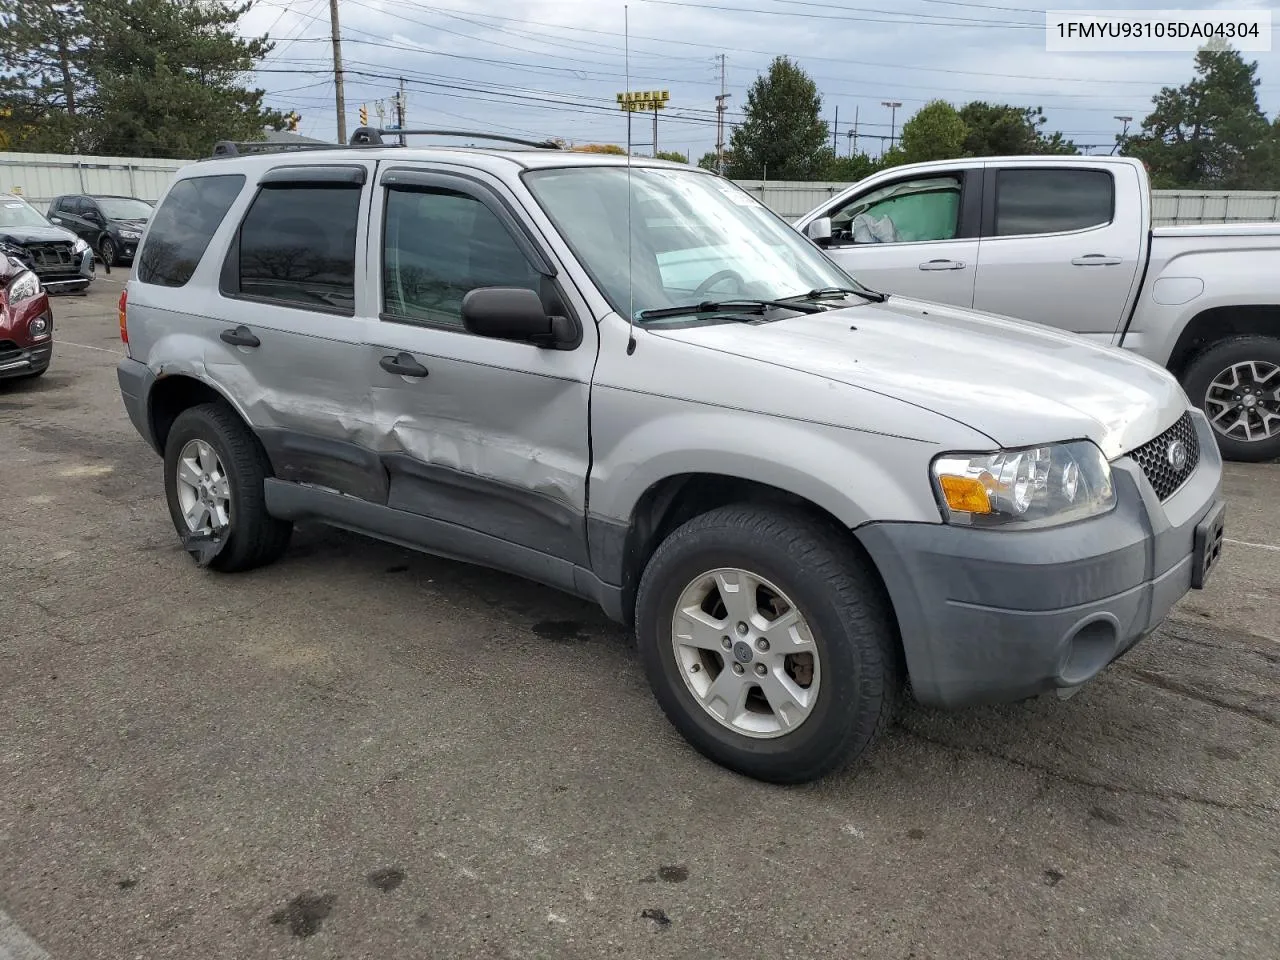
[
  {"x": 51, "y": 255},
  {"x": 1158, "y": 457}
]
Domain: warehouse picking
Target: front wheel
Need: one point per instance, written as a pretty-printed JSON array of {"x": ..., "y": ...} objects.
[
  {"x": 1237, "y": 384},
  {"x": 767, "y": 643},
  {"x": 107, "y": 252}
]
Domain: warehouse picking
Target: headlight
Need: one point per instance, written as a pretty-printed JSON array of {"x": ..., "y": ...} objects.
[
  {"x": 130, "y": 235},
  {"x": 1022, "y": 489},
  {"x": 25, "y": 287}
]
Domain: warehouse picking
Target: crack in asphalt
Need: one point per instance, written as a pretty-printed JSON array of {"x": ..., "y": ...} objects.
[
  {"x": 1049, "y": 773},
  {"x": 1191, "y": 693}
]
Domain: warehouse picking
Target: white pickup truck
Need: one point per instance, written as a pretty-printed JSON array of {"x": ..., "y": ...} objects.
[{"x": 1068, "y": 242}]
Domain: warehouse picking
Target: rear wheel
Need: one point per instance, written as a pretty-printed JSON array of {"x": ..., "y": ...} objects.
[
  {"x": 767, "y": 643},
  {"x": 214, "y": 474},
  {"x": 1237, "y": 384}
]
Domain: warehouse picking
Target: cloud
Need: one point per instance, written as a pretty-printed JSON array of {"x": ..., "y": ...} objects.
[{"x": 553, "y": 67}]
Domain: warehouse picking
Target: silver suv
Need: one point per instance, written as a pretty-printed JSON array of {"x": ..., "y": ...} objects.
[{"x": 636, "y": 384}]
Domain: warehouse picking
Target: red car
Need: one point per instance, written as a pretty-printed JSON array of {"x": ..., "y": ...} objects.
[{"x": 26, "y": 322}]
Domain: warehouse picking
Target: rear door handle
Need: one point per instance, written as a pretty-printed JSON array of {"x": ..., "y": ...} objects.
[
  {"x": 942, "y": 265},
  {"x": 403, "y": 364},
  {"x": 1096, "y": 260},
  {"x": 240, "y": 337}
]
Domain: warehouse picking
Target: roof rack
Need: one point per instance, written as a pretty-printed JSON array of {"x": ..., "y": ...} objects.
[
  {"x": 365, "y": 137},
  {"x": 372, "y": 136}
]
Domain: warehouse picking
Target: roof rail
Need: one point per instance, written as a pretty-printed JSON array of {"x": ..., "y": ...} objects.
[
  {"x": 230, "y": 148},
  {"x": 372, "y": 136}
]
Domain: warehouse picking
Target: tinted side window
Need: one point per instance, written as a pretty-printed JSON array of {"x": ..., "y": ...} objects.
[
  {"x": 439, "y": 246},
  {"x": 1050, "y": 201},
  {"x": 298, "y": 245},
  {"x": 182, "y": 227}
]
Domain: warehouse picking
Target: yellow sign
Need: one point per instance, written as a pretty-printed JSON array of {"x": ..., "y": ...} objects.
[{"x": 643, "y": 100}]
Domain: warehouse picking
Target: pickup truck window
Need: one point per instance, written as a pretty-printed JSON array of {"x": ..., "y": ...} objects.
[
  {"x": 909, "y": 211},
  {"x": 439, "y": 246},
  {"x": 1052, "y": 201}
]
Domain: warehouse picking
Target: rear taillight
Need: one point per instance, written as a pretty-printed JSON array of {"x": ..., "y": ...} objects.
[{"x": 124, "y": 326}]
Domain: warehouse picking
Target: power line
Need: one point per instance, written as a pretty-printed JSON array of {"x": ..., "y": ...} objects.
[{"x": 953, "y": 23}]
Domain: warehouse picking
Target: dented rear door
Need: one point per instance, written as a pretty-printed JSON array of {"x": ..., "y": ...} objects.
[{"x": 486, "y": 434}]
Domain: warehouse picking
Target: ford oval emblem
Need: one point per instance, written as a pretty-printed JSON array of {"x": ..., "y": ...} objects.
[{"x": 1176, "y": 454}]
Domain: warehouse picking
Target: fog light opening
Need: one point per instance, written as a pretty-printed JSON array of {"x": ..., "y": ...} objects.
[{"x": 1090, "y": 647}]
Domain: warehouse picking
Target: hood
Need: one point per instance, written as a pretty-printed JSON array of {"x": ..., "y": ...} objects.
[
  {"x": 1019, "y": 383},
  {"x": 22, "y": 235}
]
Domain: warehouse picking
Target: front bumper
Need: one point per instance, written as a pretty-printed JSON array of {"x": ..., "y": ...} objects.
[
  {"x": 990, "y": 616},
  {"x": 23, "y": 361}
]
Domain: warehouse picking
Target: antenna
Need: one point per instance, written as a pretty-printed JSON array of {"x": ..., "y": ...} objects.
[{"x": 631, "y": 292}]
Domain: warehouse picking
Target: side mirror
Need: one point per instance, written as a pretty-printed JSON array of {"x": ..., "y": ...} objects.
[
  {"x": 819, "y": 231},
  {"x": 509, "y": 313}
]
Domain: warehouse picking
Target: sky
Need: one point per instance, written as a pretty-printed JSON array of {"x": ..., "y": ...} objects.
[{"x": 543, "y": 68}]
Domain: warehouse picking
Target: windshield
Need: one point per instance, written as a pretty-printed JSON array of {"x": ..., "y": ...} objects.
[
  {"x": 694, "y": 238},
  {"x": 19, "y": 213},
  {"x": 124, "y": 208}
]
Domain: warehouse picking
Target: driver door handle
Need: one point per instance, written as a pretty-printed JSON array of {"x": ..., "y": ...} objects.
[
  {"x": 403, "y": 365},
  {"x": 942, "y": 265},
  {"x": 1096, "y": 260}
]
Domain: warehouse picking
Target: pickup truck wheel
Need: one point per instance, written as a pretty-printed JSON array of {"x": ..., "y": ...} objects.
[
  {"x": 1237, "y": 384},
  {"x": 767, "y": 644},
  {"x": 214, "y": 470}
]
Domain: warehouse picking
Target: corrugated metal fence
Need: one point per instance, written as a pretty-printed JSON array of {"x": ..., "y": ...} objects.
[{"x": 42, "y": 176}]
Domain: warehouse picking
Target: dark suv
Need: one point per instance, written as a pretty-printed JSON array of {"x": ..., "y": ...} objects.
[{"x": 111, "y": 225}]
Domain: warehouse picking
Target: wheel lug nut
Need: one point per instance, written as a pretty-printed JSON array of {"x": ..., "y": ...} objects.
[
  {"x": 695, "y": 668},
  {"x": 726, "y": 643},
  {"x": 761, "y": 670},
  {"x": 739, "y": 669},
  {"x": 762, "y": 645},
  {"x": 742, "y": 629}
]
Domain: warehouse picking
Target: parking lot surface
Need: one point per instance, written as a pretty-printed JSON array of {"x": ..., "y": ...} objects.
[{"x": 362, "y": 752}]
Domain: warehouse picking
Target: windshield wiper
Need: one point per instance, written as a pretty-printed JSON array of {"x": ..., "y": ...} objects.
[
  {"x": 826, "y": 293},
  {"x": 734, "y": 306}
]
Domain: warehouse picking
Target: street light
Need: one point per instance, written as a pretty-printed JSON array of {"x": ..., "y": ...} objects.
[
  {"x": 1123, "y": 133},
  {"x": 893, "y": 106}
]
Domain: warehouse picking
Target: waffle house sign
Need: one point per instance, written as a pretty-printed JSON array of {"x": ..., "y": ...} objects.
[{"x": 642, "y": 101}]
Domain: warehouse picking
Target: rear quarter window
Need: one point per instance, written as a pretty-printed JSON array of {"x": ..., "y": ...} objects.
[{"x": 182, "y": 227}]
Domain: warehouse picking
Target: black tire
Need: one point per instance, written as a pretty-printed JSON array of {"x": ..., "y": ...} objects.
[
  {"x": 256, "y": 538},
  {"x": 1206, "y": 367},
  {"x": 108, "y": 252},
  {"x": 840, "y": 598}
]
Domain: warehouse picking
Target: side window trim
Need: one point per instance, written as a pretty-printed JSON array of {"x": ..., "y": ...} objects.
[
  {"x": 991, "y": 190},
  {"x": 968, "y": 217},
  {"x": 309, "y": 174},
  {"x": 229, "y": 274},
  {"x": 403, "y": 178},
  {"x": 408, "y": 180}
]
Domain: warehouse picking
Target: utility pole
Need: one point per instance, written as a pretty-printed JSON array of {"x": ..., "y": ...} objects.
[
  {"x": 893, "y": 106},
  {"x": 720, "y": 109},
  {"x": 655, "y": 129},
  {"x": 400, "y": 111},
  {"x": 835, "y": 130},
  {"x": 853, "y": 134},
  {"x": 337, "y": 72}
]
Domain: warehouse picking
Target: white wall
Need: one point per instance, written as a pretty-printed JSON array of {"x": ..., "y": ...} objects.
[{"x": 40, "y": 177}]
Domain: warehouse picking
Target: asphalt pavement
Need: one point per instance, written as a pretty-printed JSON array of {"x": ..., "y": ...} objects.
[{"x": 362, "y": 752}]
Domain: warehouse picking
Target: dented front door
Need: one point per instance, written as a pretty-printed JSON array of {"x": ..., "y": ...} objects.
[{"x": 486, "y": 434}]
